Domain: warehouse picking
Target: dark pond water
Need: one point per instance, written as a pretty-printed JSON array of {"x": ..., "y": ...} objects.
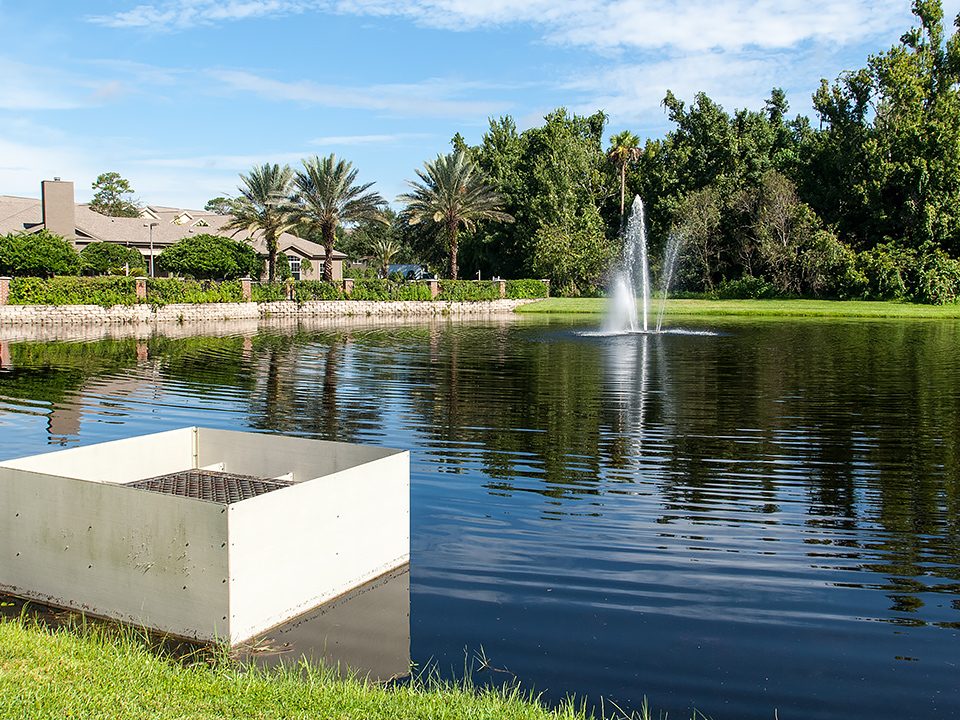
[{"x": 766, "y": 519}]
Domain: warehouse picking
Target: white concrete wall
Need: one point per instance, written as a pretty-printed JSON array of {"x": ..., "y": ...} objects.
[
  {"x": 213, "y": 312},
  {"x": 267, "y": 455},
  {"x": 141, "y": 557},
  {"x": 118, "y": 461},
  {"x": 306, "y": 544}
]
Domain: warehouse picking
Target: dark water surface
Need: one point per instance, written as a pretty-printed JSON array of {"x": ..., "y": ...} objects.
[{"x": 764, "y": 519}]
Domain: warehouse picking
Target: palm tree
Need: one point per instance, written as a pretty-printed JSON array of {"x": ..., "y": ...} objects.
[
  {"x": 263, "y": 205},
  {"x": 325, "y": 196},
  {"x": 452, "y": 191},
  {"x": 624, "y": 150},
  {"x": 383, "y": 250}
]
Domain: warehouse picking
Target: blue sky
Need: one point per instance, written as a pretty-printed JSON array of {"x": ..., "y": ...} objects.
[{"x": 180, "y": 96}]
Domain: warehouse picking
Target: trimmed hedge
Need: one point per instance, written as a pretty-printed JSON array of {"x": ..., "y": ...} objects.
[
  {"x": 121, "y": 290},
  {"x": 523, "y": 289},
  {"x": 465, "y": 290},
  {"x": 70, "y": 290},
  {"x": 168, "y": 291},
  {"x": 306, "y": 290}
]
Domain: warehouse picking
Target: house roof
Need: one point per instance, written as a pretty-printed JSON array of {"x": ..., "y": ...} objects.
[{"x": 19, "y": 214}]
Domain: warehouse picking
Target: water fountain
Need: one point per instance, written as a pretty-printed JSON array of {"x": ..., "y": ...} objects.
[{"x": 622, "y": 314}]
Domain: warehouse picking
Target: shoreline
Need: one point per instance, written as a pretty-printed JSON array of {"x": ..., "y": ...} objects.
[{"x": 16, "y": 315}]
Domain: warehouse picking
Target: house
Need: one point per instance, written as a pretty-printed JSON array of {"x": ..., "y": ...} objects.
[{"x": 158, "y": 227}]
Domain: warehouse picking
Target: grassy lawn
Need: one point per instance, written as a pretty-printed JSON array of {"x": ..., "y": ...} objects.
[
  {"x": 99, "y": 672},
  {"x": 769, "y": 308}
]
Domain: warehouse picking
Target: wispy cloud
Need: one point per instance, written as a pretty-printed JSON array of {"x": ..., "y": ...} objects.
[
  {"x": 430, "y": 98},
  {"x": 188, "y": 13},
  {"x": 694, "y": 25}
]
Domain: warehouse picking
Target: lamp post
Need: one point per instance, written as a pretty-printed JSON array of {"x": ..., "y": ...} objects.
[{"x": 151, "y": 226}]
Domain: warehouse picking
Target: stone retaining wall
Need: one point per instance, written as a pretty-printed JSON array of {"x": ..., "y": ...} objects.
[{"x": 212, "y": 312}]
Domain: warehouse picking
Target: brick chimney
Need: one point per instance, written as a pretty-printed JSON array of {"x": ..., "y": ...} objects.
[{"x": 59, "y": 211}]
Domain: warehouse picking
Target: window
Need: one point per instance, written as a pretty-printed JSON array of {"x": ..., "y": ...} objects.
[{"x": 294, "y": 266}]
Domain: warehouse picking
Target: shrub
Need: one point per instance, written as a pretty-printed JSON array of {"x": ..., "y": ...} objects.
[
  {"x": 166, "y": 291},
  {"x": 41, "y": 254},
  {"x": 745, "y": 288},
  {"x": 282, "y": 268},
  {"x": 268, "y": 292},
  {"x": 460, "y": 290},
  {"x": 519, "y": 289},
  {"x": 105, "y": 258},
  {"x": 209, "y": 257},
  {"x": 305, "y": 290},
  {"x": 883, "y": 267},
  {"x": 65, "y": 290}
]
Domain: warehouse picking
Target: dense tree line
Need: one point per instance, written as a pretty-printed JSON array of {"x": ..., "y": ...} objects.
[{"x": 864, "y": 204}]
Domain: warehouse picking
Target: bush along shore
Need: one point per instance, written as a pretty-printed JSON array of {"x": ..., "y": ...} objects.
[
  {"x": 692, "y": 307},
  {"x": 106, "y": 671},
  {"x": 112, "y": 291}
]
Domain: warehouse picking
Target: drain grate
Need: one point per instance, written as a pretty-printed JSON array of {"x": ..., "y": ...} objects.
[{"x": 212, "y": 485}]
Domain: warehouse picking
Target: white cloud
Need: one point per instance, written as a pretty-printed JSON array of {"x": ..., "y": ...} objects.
[
  {"x": 187, "y": 13},
  {"x": 434, "y": 98},
  {"x": 694, "y": 25}
]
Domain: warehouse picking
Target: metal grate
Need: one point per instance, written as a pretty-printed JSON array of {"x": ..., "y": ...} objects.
[{"x": 211, "y": 485}]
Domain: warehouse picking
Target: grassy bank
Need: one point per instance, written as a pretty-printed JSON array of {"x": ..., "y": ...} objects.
[
  {"x": 98, "y": 672},
  {"x": 768, "y": 308}
]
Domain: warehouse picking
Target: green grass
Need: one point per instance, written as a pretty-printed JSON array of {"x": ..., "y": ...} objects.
[
  {"x": 99, "y": 671},
  {"x": 767, "y": 308}
]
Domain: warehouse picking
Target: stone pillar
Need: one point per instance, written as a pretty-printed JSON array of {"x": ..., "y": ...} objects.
[
  {"x": 347, "y": 286},
  {"x": 503, "y": 288},
  {"x": 246, "y": 289},
  {"x": 141, "y": 289},
  {"x": 5, "y": 361},
  {"x": 4, "y": 290},
  {"x": 546, "y": 282},
  {"x": 434, "y": 288}
]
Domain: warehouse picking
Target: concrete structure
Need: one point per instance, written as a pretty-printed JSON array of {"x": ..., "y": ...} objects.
[
  {"x": 215, "y": 312},
  {"x": 57, "y": 212},
  {"x": 203, "y": 534}
]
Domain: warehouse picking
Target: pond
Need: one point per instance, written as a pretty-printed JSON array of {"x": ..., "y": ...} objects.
[{"x": 765, "y": 517}]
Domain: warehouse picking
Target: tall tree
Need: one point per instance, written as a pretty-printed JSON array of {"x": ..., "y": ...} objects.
[
  {"x": 220, "y": 205},
  {"x": 624, "y": 151},
  {"x": 114, "y": 196},
  {"x": 452, "y": 192},
  {"x": 326, "y": 195},
  {"x": 264, "y": 205}
]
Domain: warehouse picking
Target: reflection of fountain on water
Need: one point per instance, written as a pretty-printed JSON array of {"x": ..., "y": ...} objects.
[{"x": 622, "y": 310}]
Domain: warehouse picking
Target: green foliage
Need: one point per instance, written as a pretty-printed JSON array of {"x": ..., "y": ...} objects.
[
  {"x": 926, "y": 275},
  {"x": 220, "y": 205},
  {"x": 463, "y": 290},
  {"x": 105, "y": 291},
  {"x": 522, "y": 289},
  {"x": 305, "y": 290},
  {"x": 40, "y": 254},
  {"x": 105, "y": 258},
  {"x": 207, "y": 257},
  {"x": 268, "y": 292},
  {"x": 167, "y": 291},
  {"x": 325, "y": 195},
  {"x": 263, "y": 206},
  {"x": 358, "y": 272},
  {"x": 452, "y": 192},
  {"x": 114, "y": 196},
  {"x": 283, "y": 268},
  {"x": 745, "y": 288},
  {"x": 382, "y": 289}
]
